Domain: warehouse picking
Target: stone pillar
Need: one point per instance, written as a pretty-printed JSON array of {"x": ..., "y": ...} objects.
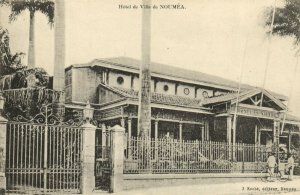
[
  {"x": 117, "y": 157},
  {"x": 87, "y": 185},
  {"x": 180, "y": 131},
  {"x": 3, "y": 123}
]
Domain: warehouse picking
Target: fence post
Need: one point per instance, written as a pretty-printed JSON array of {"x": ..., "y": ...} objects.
[
  {"x": 3, "y": 124},
  {"x": 117, "y": 157},
  {"x": 87, "y": 184}
]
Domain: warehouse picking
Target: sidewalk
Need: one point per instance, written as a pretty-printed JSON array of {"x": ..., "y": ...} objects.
[{"x": 255, "y": 187}]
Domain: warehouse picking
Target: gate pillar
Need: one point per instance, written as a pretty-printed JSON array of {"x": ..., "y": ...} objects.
[
  {"x": 117, "y": 158},
  {"x": 3, "y": 123},
  {"x": 87, "y": 185}
]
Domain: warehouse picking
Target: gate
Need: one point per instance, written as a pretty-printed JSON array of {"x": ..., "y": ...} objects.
[
  {"x": 103, "y": 168},
  {"x": 43, "y": 158}
]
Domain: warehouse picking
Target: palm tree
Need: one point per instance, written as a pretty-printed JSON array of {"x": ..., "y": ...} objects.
[
  {"x": 19, "y": 6},
  {"x": 287, "y": 20},
  {"x": 144, "y": 113},
  {"x": 59, "y": 55},
  {"x": 286, "y": 23},
  {"x": 144, "y": 119}
]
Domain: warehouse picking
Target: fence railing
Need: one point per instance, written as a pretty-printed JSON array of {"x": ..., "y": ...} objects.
[
  {"x": 42, "y": 158},
  {"x": 174, "y": 156}
]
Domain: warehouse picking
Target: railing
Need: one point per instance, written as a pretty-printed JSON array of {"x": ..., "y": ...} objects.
[
  {"x": 43, "y": 158},
  {"x": 174, "y": 156}
]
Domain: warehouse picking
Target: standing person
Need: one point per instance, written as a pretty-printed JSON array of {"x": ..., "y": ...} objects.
[
  {"x": 290, "y": 165},
  {"x": 271, "y": 162}
]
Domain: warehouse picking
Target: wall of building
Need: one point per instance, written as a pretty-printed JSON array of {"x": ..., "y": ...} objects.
[
  {"x": 201, "y": 93},
  {"x": 92, "y": 78},
  {"x": 136, "y": 83},
  {"x": 186, "y": 90},
  {"x": 84, "y": 85},
  {"x": 165, "y": 87},
  {"x": 131, "y": 81},
  {"x": 118, "y": 79}
]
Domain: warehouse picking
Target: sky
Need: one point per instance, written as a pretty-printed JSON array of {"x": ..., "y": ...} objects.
[{"x": 219, "y": 37}]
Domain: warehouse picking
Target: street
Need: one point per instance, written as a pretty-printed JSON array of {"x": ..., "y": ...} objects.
[{"x": 255, "y": 187}]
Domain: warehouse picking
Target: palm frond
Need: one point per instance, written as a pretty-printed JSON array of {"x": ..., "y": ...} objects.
[
  {"x": 287, "y": 20},
  {"x": 5, "y": 2},
  {"x": 47, "y": 8},
  {"x": 17, "y": 7}
]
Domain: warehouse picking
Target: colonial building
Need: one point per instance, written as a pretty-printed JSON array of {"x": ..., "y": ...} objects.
[{"x": 185, "y": 104}]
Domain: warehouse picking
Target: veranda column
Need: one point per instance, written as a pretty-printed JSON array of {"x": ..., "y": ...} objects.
[
  {"x": 255, "y": 135},
  {"x": 234, "y": 125},
  {"x": 3, "y": 124},
  {"x": 276, "y": 130},
  {"x": 103, "y": 128},
  {"x": 156, "y": 138},
  {"x": 156, "y": 129},
  {"x": 123, "y": 122},
  {"x": 129, "y": 135},
  {"x": 117, "y": 157},
  {"x": 88, "y": 159},
  {"x": 206, "y": 127},
  {"x": 290, "y": 140},
  {"x": 180, "y": 131},
  {"x": 229, "y": 128},
  {"x": 259, "y": 136},
  {"x": 202, "y": 133}
]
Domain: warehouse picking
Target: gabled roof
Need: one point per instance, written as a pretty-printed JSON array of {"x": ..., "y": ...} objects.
[
  {"x": 176, "y": 73},
  {"x": 232, "y": 97},
  {"x": 225, "y": 98},
  {"x": 159, "y": 98}
]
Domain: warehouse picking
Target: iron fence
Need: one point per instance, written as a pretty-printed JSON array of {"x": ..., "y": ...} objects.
[
  {"x": 174, "y": 156},
  {"x": 42, "y": 158}
]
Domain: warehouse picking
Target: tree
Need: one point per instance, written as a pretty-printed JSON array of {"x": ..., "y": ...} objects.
[
  {"x": 287, "y": 23},
  {"x": 13, "y": 74},
  {"x": 9, "y": 62},
  {"x": 59, "y": 56},
  {"x": 19, "y": 6},
  {"x": 286, "y": 20},
  {"x": 144, "y": 119}
]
